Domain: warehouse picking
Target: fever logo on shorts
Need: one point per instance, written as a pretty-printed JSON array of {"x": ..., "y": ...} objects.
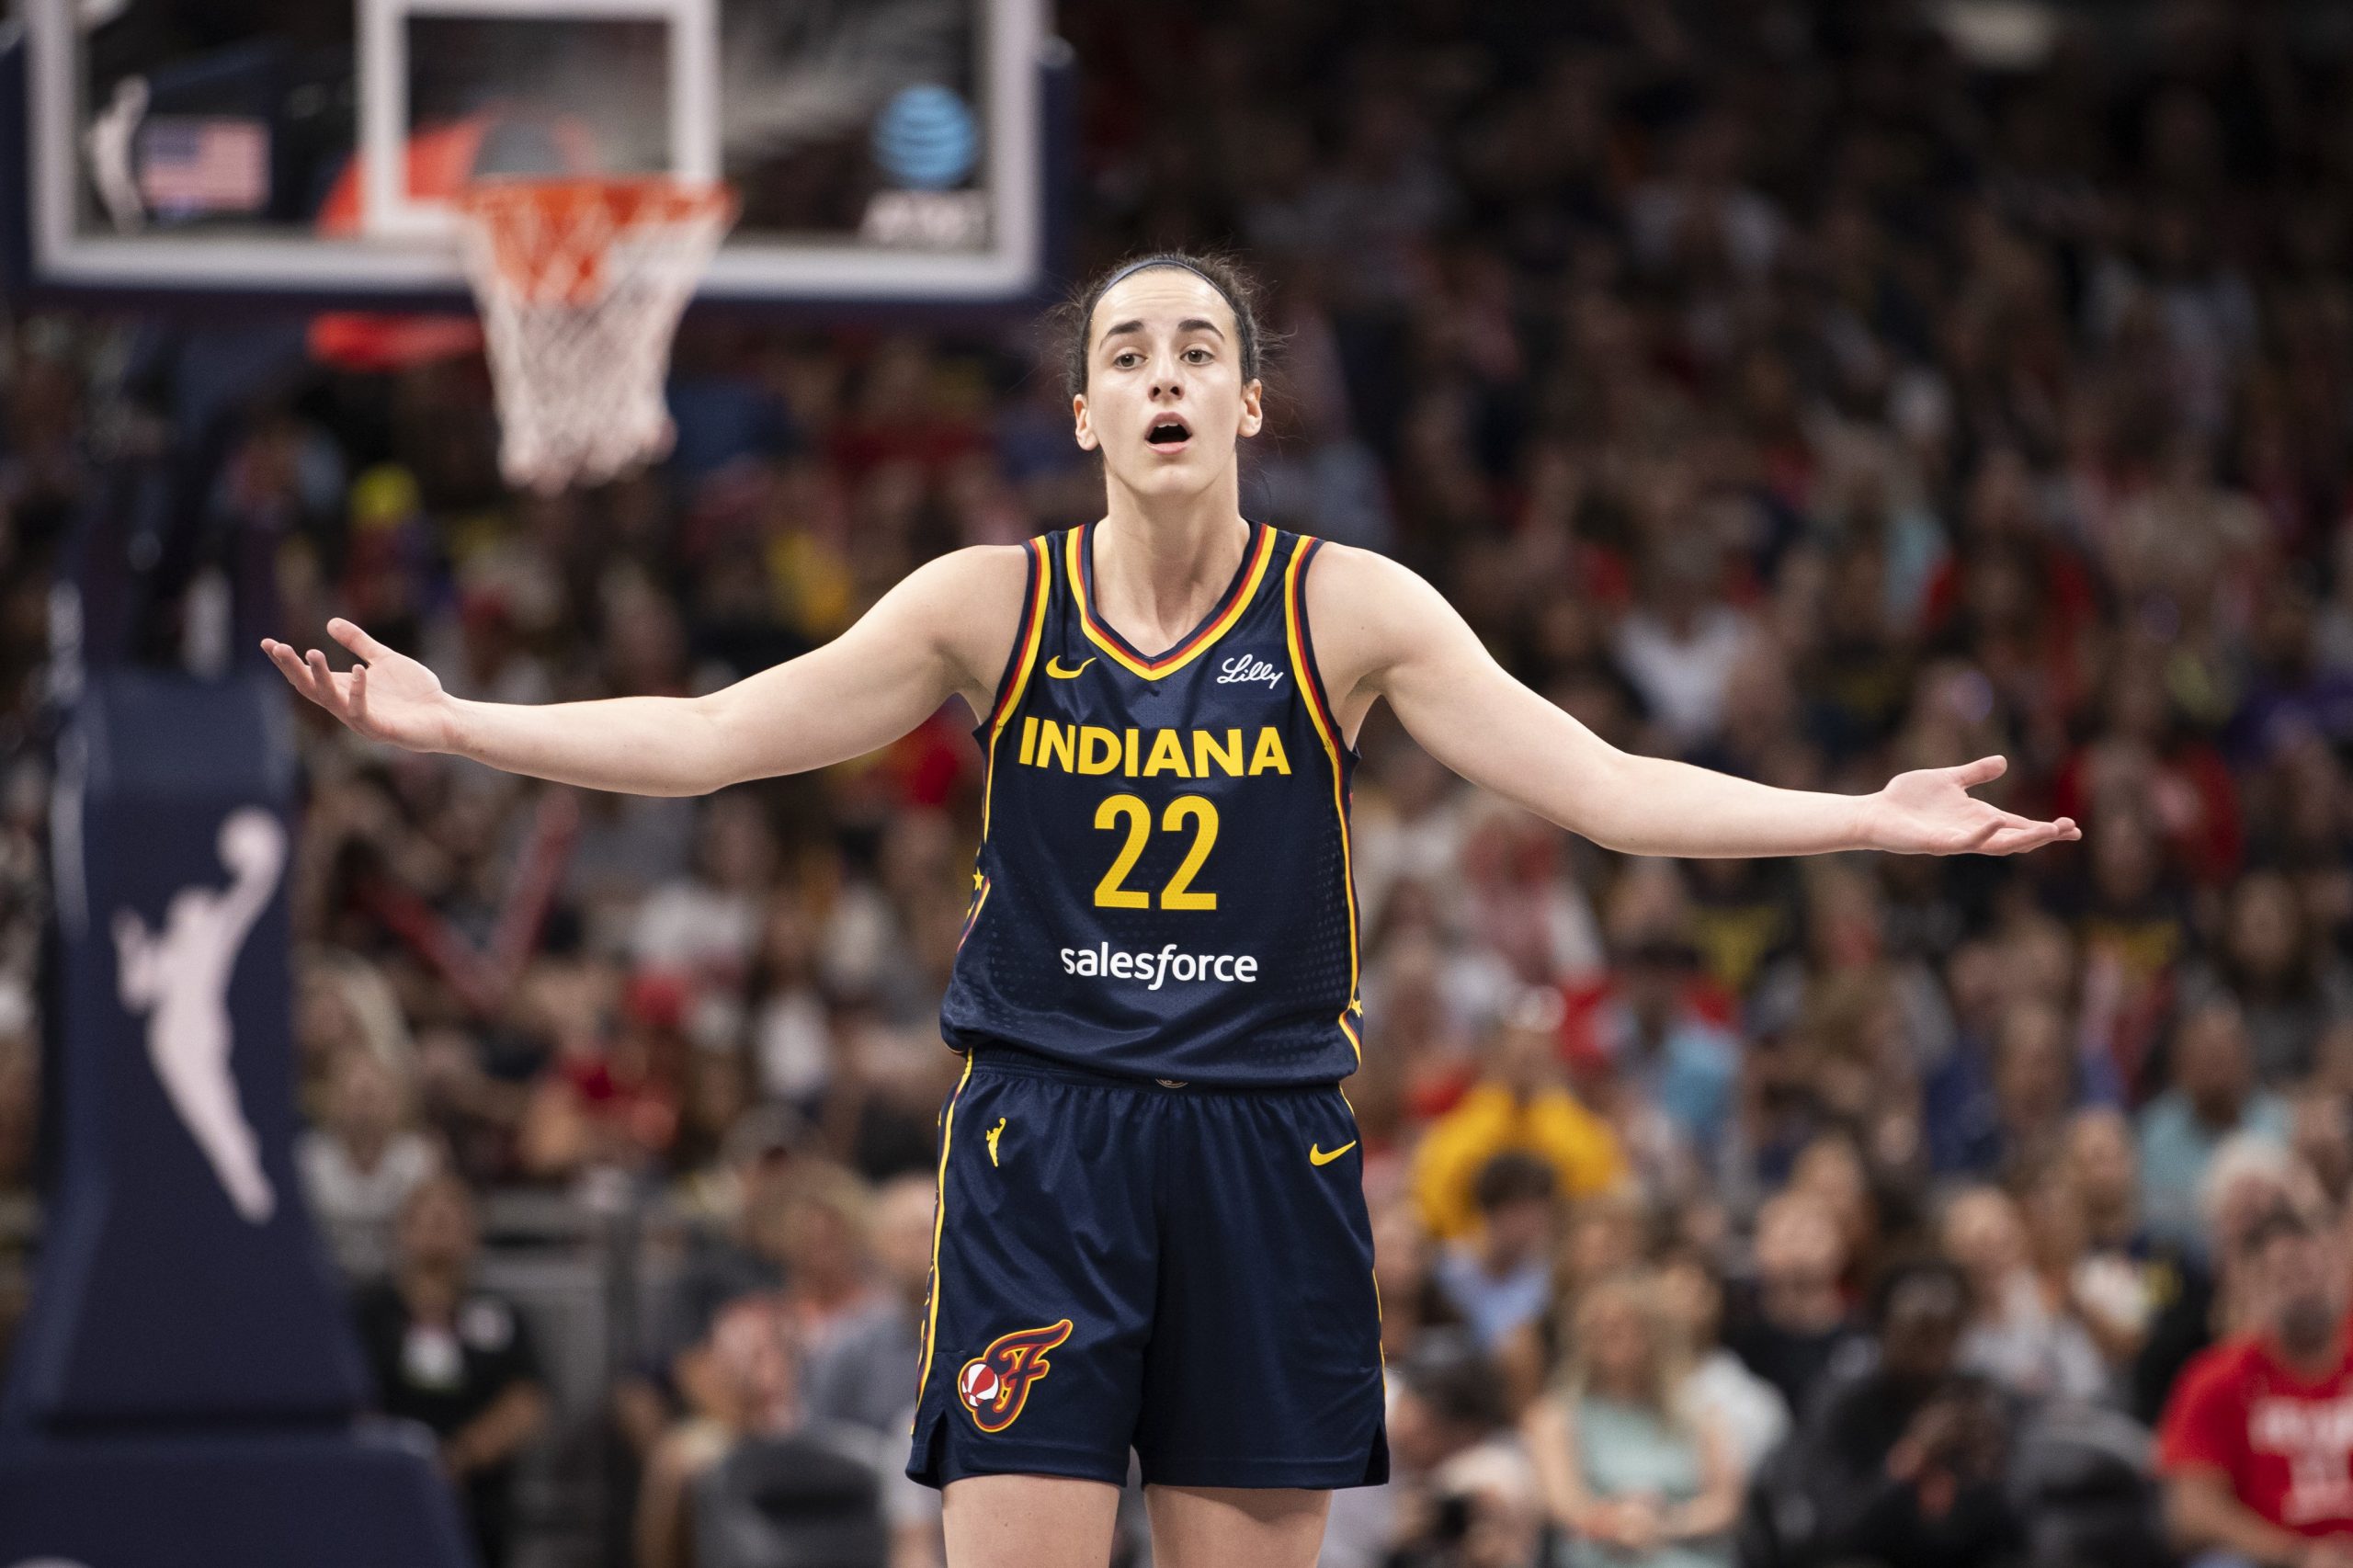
[{"x": 994, "y": 1384}]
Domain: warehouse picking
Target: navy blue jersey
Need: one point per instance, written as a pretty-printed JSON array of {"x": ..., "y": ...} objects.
[{"x": 1162, "y": 887}]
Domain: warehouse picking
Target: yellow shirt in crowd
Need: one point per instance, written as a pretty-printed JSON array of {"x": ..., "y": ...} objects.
[{"x": 1491, "y": 1120}]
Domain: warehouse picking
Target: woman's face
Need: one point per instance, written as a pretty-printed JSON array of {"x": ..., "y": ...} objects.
[
  {"x": 2263, "y": 933},
  {"x": 1618, "y": 1344},
  {"x": 1690, "y": 1296},
  {"x": 1165, "y": 399}
]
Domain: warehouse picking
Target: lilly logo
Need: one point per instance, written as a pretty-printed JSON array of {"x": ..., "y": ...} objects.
[
  {"x": 1245, "y": 668},
  {"x": 994, "y": 1384},
  {"x": 179, "y": 976}
]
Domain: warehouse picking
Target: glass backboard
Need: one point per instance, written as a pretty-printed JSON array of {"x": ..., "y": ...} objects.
[{"x": 882, "y": 149}]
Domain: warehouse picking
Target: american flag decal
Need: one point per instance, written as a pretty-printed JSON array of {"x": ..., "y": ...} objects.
[{"x": 191, "y": 166}]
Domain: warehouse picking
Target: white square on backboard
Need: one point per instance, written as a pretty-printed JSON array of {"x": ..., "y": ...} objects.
[{"x": 386, "y": 207}]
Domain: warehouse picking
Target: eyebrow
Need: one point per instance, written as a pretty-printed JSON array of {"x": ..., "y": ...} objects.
[{"x": 1191, "y": 323}]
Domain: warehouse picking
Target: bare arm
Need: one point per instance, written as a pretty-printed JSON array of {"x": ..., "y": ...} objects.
[
  {"x": 944, "y": 630},
  {"x": 2202, "y": 1513},
  {"x": 1380, "y": 631},
  {"x": 514, "y": 1418},
  {"x": 1712, "y": 1511},
  {"x": 1549, "y": 1432}
]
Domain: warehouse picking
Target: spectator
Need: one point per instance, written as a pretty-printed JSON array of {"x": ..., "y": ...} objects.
[
  {"x": 2145, "y": 1300},
  {"x": 1521, "y": 1101},
  {"x": 1462, "y": 1489},
  {"x": 1901, "y": 1463},
  {"x": 1683, "y": 1062},
  {"x": 1500, "y": 1276},
  {"x": 1633, "y": 1471},
  {"x": 2213, "y": 1096},
  {"x": 2257, "y": 1442},
  {"x": 2018, "y": 1336},
  {"x": 455, "y": 1358},
  {"x": 1799, "y": 1326},
  {"x": 359, "y": 1168},
  {"x": 2288, "y": 988},
  {"x": 1405, "y": 1269},
  {"x": 856, "y": 1326},
  {"x": 757, "y": 1477},
  {"x": 741, "y": 1254},
  {"x": 1749, "y": 1410}
]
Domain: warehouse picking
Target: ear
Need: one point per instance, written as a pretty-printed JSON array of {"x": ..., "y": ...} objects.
[
  {"x": 1253, "y": 411},
  {"x": 1081, "y": 426}
]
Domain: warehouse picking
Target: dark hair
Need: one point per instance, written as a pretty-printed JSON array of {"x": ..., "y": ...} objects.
[
  {"x": 1511, "y": 1177},
  {"x": 1932, "y": 1269},
  {"x": 1236, "y": 286},
  {"x": 1446, "y": 1370}
]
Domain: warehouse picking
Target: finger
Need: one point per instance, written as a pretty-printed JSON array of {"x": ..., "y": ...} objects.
[
  {"x": 1983, "y": 770},
  {"x": 349, "y": 633},
  {"x": 2017, "y": 841},
  {"x": 298, "y": 675},
  {"x": 323, "y": 673},
  {"x": 358, "y": 692},
  {"x": 2045, "y": 832}
]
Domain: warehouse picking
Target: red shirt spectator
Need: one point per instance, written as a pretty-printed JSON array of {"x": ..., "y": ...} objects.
[{"x": 2256, "y": 1443}]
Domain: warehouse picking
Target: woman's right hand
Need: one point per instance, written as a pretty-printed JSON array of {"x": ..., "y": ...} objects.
[{"x": 390, "y": 697}]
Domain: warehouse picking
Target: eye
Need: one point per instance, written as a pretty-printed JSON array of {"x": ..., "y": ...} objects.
[
  {"x": 1197, "y": 354},
  {"x": 1126, "y": 360}
]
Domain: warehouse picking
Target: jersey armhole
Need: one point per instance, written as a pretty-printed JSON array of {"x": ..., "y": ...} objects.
[
  {"x": 1023, "y": 655},
  {"x": 1301, "y": 640}
]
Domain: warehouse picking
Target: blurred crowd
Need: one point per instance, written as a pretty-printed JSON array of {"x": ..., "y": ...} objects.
[{"x": 1783, "y": 385}]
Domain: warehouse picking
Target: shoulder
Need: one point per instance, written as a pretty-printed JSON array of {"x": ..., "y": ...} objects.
[
  {"x": 993, "y": 572},
  {"x": 1345, "y": 572},
  {"x": 968, "y": 602},
  {"x": 1369, "y": 613},
  {"x": 2217, "y": 1374}
]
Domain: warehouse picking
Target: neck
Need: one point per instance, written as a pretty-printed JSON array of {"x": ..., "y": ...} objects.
[
  {"x": 2110, "y": 1223},
  {"x": 1165, "y": 555},
  {"x": 2312, "y": 1361},
  {"x": 2216, "y": 1111}
]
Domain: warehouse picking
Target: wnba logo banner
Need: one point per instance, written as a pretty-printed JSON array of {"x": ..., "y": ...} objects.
[
  {"x": 182, "y": 1387},
  {"x": 180, "y": 1280}
]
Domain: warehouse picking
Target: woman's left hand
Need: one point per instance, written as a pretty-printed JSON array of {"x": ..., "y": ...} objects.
[{"x": 1930, "y": 811}]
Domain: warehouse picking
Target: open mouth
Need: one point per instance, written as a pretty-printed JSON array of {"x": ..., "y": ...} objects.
[{"x": 1168, "y": 434}]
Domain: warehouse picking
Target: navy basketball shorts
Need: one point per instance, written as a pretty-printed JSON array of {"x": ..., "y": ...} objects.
[{"x": 1118, "y": 1262}]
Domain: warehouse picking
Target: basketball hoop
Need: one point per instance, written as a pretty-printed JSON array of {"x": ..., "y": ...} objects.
[{"x": 581, "y": 284}]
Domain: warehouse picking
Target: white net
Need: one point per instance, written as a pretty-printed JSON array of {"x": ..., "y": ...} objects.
[{"x": 581, "y": 285}]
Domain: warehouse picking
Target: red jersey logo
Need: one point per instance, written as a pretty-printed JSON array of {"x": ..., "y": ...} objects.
[{"x": 994, "y": 1384}]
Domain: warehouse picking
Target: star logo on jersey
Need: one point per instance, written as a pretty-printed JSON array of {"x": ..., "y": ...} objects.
[
  {"x": 1054, "y": 668},
  {"x": 994, "y": 1384}
]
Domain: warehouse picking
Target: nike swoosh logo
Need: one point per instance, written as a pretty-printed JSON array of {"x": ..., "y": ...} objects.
[
  {"x": 1316, "y": 1156},
  {"x": 1054, "y": 668}
]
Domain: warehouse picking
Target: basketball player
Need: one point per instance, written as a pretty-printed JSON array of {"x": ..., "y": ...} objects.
[{"x": 1150, "y": 1230}]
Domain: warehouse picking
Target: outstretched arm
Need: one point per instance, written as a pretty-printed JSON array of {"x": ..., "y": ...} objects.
[
  {"x": 1380, "y": 631},
  {"x": 942, "y": 631}
]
